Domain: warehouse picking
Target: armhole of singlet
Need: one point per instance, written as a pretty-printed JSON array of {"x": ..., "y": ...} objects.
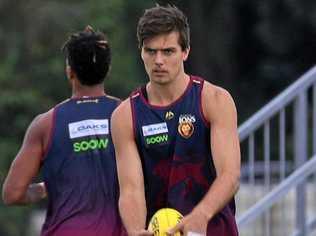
[
  {"x": 132, "y": 104},
  {"x": 51, "y": 134},
  {"x": 118, "y": 102},
  {"x": 206, "y": 123}
]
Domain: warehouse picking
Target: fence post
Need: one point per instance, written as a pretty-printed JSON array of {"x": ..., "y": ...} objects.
[{"x": 300, "y": 152}]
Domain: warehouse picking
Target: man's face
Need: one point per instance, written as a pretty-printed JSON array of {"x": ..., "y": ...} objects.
[{"x": 163, "y": 57}]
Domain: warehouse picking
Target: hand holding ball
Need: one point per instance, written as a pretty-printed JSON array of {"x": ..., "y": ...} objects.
[{"x": 163, "y": 220}]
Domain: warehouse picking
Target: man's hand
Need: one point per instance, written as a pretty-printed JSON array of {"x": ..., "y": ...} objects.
[
  {"x": 36, "y": 192},
  {"x": 194, "y": 223},
  {"x": 142, "y": 232}
]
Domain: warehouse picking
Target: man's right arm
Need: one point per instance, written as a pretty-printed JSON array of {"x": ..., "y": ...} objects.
[
  {"x": 132, "y": 204},
  {"x": 17, "y": 187}
]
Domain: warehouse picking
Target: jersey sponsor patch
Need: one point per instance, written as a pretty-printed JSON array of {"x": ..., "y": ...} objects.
[
  {"x": 153, "y": 129},
  {"x": 157, "y": 139},
  {"x": 92, "y": 144},
  {"x": 88, "y": 128}
]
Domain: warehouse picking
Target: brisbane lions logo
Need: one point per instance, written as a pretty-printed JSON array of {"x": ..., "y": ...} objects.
[{"x": 185, "y": 127}]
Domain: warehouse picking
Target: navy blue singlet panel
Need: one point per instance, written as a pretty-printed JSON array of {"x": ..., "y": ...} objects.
[{"x": 80, "y": 170}]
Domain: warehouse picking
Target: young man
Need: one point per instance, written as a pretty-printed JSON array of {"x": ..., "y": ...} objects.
[
  {"x": 176, "y": 138},
  {"x": 72, "y": 144}
]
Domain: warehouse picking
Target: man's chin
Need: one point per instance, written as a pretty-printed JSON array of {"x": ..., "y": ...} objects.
[{"x": 160, "y": 80}]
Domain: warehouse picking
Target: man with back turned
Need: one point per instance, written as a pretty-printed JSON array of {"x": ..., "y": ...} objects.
[{"x": 72, "y": 145}]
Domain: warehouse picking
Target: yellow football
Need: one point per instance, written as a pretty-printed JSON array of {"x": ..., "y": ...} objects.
[{"x": 163, "y": 220}]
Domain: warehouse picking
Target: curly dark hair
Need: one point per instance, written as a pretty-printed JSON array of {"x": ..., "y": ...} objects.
[
  {"x": 162, "y": 20},
  {"x": 88, "y": 53}
]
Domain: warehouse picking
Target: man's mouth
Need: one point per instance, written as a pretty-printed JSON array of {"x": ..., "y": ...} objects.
[{"x": 159, "y": 71}]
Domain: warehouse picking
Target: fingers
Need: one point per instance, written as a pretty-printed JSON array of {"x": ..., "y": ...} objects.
[
  {"x": 177, "y": 228},
  {"x": 145, "y": 233},
  {"x": 190, "y": 233},
  {"x": 185, "y": 229},
  {"x": 43, "y": 189}
]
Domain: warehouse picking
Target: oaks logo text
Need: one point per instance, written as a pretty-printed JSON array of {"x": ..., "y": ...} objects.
[{"x": 88, "y": 128}]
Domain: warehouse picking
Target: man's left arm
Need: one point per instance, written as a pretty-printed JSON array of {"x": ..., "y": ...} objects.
[
  {"x": 219, "y": 108},
  {"x": 225, "y": 148}
]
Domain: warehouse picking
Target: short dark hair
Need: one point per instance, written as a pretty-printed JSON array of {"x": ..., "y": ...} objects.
[
  {"x": 161, "y": 20},
  {"x": 88, "y": 53}
]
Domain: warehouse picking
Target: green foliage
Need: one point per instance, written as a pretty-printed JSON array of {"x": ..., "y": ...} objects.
[
  {"x": 111, "y": 18},
  {"x": 14, "y": 221}
]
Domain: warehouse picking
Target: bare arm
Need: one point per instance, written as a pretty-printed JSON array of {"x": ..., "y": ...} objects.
[
  {"x": 17, "y": 187},
  {"x": 225, "y": 150},
  {"x": 132, "y": 203},
  {"x": 220, "y": 111}
]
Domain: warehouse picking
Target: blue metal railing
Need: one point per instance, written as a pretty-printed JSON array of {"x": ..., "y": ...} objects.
[
  {"x": 297, "y": 177},
  {"x": 286, "y": 131}
]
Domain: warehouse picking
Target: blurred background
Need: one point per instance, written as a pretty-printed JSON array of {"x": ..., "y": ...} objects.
[{"x": 254, "y": 49}]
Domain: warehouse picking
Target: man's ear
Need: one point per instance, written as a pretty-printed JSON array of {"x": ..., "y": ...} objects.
[
  {"x": 186, "y": 54},
  {"x": 69, "y": 72},
  {"x": 142, "y": 53}
]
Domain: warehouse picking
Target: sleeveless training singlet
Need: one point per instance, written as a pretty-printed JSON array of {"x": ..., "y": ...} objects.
[
  {"x": 79, "y": 170},
  {"x": 174, "y": 145}
]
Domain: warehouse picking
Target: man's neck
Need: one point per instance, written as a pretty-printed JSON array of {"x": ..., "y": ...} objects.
[
  {"x": 165, "y": 94},
  {"x": 79, "y": 91}
]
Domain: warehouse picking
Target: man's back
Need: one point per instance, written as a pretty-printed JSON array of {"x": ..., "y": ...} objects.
[
  {"x": 79, "y": 170},
  {"x": 72, "y": 145}
]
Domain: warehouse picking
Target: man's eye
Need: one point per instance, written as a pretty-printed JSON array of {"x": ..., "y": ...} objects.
[
  {"x": 168, "y": 51},
  {"x": 150, "y": 51}
]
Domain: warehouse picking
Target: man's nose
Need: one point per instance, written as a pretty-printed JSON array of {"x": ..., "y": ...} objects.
[{"x": 159, "y": 58}]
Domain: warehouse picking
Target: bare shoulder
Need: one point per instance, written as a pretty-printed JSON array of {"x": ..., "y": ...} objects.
[
  {"x": 217, "y": 101},
  {"x": 122, "y": 111},
  {"x": 40, "y": 128},
  {"x": 122, "y": 116},
  {"x": 43, "y": 120},
  {"x": 216, "y": 93}
]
